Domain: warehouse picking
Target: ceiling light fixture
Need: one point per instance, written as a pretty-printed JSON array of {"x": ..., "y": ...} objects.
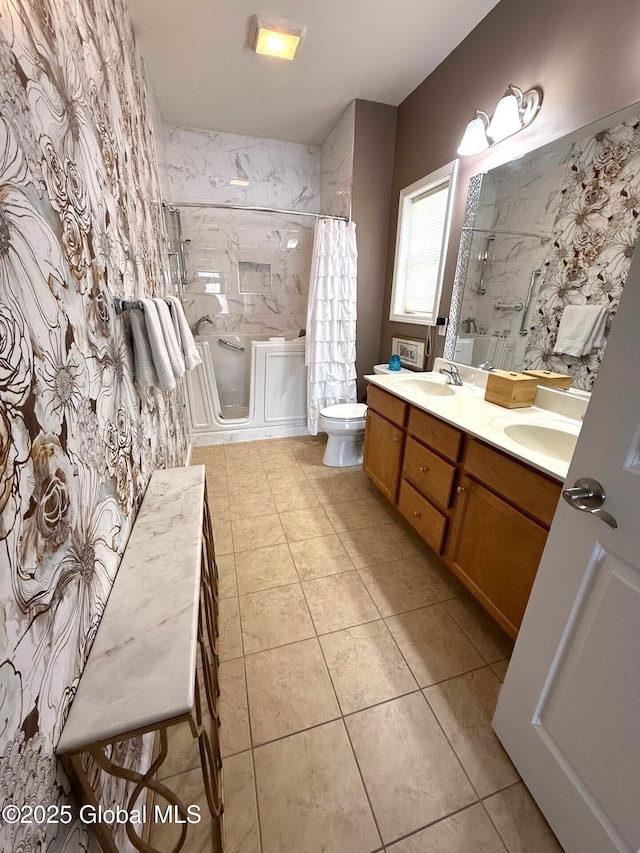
[
  {"x": 514, "y": 111},
  {"x": 277, "y": 38}
]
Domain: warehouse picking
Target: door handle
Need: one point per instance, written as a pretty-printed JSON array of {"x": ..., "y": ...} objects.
[{"x": 587, "y": 495}]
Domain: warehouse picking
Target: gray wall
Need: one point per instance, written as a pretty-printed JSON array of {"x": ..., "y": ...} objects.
[
  {"x": 375, "y": 131},
  {"x": 583, "y": 55}
]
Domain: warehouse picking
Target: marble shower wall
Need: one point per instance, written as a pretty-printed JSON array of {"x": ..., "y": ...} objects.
[
  {"x": 248, "y": 271},
  {"x": 595, "y": 233},
  {"x": 336, "y": 185},
  {"x": 79, "y": 223}
]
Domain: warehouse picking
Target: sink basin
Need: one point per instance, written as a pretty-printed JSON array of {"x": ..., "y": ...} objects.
[
  {"x": 426, "y": 386},
  {"x": 552, "y": 441}
]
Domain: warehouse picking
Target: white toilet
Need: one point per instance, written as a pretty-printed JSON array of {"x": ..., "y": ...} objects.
[{"x": 344, "y": 423}]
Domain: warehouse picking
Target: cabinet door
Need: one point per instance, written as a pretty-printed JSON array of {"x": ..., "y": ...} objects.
[
  {"x": 496, "y": 551},
  {"x": 383, "y": 444}
]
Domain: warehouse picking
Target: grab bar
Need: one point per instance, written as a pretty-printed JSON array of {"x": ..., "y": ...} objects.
[
  {"x": 507, "y": 306},
  {"x": 481, "y": 288},
  {"x": 230, "y": 345},
  {"x": 527, "y": 303}
]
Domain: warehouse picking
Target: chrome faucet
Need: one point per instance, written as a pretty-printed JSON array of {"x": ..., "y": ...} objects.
[
  {"x": 207, "y": 318},
  {"x": 469, "y": 325},
  {"x": 486, "y": 365},
  {"x": 452, "y": 373}
]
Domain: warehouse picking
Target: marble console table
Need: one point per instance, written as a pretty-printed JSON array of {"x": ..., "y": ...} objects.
[{"x": 141, "y": 674}]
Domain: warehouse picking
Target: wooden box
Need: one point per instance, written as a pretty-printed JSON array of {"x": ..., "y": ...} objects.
[
  {"x": 550, "y": 379},
  {"x": 510, "y": 390}
]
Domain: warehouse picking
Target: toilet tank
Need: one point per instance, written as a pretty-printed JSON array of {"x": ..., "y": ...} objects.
[{"x": 384, "y": 368}]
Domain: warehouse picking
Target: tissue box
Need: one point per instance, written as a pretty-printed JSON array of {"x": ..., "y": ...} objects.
[
  {"x": 510, "y": 390},
  {"x": 550, "y": 379}
]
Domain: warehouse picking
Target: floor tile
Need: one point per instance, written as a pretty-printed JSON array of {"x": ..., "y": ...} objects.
[
  {"x": 311, "y": 796},
  {"x": 433, "y": 645},
  {"x": 405, "y": 538},
  {"x": 240, "y": 810},
  {"x": 370, "y": 546},
  {"x": 294, "y": 496},
  {"x": 441, "y": 579},
  {"x": 250, "y": 533},
  {"x": 336, "y": 490},
  {"x": 222, "y": 537},
  {"x": 251, "y": 504},
  {"x": 217, "y": 483},
  {"x": 289, "y": 690},
  {"x": 351, "y": 515},
  {"x": 283, "y": 463},
  {"x": 190, "y": 789},
  {"x": 282, "y": 481},
  {"x": 275, "y": 617},
  {"x": 209, "y": 454},
  {"x": 382, "y": 510},
  {"x": 464, "y": 707},
  {"x": 411, "y": 773},
  {"x": 483, "y": 631},
  {"x": 245, "y": 468},
  {"x": 318, "y": 471},
  {"x": 305, "y": 524},
  {"x": 219, "y": 506},
  {"x": 241, "y": 451},
  {"x": 230, "y": 639},
  {"x": 253, "y": 481},
  {"x": 264, "y": 568},
  {"x": 324, "y": 555},
  {"x": 366, "y": 666},
  {"x": 520, "y": 822},
  {"x": 234, "y": 714},
  {"x": 339, "y": 601},
  {"x": 468, "y": 831},
  {"x": 396, "y": 587},
  {"x": 227, "y": 585},
  {"x": 500, "y": 668}
]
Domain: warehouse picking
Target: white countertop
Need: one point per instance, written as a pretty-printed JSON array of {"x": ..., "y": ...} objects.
[
  {"x": 469, "y": 411},
  {"x": 141, "y": 667}
]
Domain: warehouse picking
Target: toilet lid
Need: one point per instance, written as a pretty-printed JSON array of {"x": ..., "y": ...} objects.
[{"x": 345, "y": 411}]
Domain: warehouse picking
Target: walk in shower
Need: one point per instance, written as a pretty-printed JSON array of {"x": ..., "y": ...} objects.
[{"x": 245, "y": 296}]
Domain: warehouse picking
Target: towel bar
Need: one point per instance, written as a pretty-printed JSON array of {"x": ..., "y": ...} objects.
[{"x": 125, "y": 304}]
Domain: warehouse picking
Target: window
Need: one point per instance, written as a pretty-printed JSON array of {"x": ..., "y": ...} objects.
[{"x": 421, "y": 247}]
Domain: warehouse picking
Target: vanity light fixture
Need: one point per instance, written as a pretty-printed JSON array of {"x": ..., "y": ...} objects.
[
  {"x": 514, "y": 111},
  {"x": 277, "y": 38}
]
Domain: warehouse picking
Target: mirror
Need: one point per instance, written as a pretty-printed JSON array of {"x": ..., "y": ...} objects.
[{"x": 553, "y": 229}]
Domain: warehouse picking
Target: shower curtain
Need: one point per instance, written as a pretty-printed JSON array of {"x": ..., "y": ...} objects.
[{"x": 330, "y": 353}]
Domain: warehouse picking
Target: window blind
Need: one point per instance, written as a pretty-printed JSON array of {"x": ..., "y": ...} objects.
[{"x": 428, "y": 213}]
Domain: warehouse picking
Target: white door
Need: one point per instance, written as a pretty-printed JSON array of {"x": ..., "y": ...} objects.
[{"x": 569, "y": 711}]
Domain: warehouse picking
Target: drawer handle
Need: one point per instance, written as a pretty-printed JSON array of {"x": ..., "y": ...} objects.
[
  {"x": 423, "y": 469},
  {"x": 417, "y": 514},
  {"x": 396, "y": 440},
  {"x": 460, "y": 489}
]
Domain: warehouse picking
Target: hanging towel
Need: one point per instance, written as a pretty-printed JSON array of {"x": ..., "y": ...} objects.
[
  {"x": 142, "y": 358},
  {"x": 183, "y": 333},
  {"x": 166, "y": 379},
  {"x": 582, "y": 329},
  {"x": 174, "y": 351}
]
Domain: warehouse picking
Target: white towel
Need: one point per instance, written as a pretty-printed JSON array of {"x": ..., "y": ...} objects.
[
  {"x": 142, "y": 359},
  {"x": 189, "y": 349},
  {"x": 170, "y": 341},
  {"x": 582, "y": 329},
  {"x": 166, "y": 379}
]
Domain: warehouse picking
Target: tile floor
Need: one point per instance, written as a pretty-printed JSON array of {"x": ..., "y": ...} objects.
[{"x": 358, "y": 679}]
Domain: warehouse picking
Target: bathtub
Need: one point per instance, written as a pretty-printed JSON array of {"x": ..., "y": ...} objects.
[{"x": 247, "y": 387}]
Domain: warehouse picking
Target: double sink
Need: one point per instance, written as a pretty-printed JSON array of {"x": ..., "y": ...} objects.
[{"x": 531, "y": 429}]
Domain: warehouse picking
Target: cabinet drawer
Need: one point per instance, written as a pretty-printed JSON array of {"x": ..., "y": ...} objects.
[
  {"x": 426, "y": 519},
  {"x": 430, "y": 474},
  {"x": 441, "y": 437},
  {"x": 531, "y": 492},
  {"x": 392, "y": 408}
]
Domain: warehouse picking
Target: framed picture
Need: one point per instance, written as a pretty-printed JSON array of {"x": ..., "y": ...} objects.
[{"x": 411, "y": 352}]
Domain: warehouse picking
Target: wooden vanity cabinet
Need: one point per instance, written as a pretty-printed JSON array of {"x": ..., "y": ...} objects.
[
  {"x": 384, "y": 440},
  {"x": 485, "y": 513}
]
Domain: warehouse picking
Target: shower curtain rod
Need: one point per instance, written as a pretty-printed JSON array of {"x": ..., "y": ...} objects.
[{"x": 255, "y": 209}]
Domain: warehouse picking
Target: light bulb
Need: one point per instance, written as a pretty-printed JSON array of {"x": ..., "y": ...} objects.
[
  {"x": 475, "y": 139},
  {"x": 506, "y": 118}
]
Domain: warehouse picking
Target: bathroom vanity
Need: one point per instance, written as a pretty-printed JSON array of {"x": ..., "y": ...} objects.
[{"x": 479, "y": 498}]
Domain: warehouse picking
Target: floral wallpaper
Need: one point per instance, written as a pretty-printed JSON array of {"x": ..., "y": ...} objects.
[
  {"x": 594, "y": 236},
  {"x": 80, "y": 222}
]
